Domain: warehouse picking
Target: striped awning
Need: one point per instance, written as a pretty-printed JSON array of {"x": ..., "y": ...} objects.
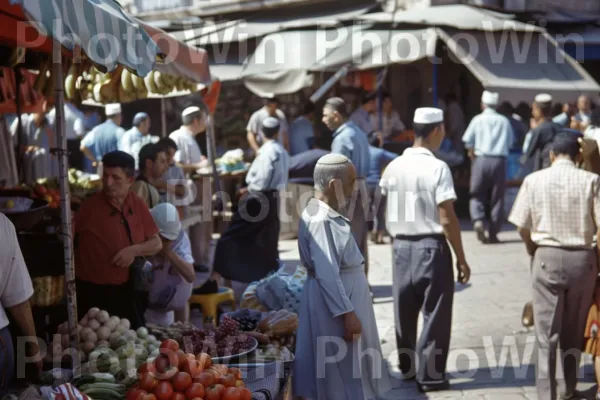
[{"x": 103, "y": 31}]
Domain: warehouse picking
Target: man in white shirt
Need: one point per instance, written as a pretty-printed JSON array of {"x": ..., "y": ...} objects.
[
  {"x": 15, "y": 291},
  {"x": 421, "y": 218},
  {"x": 255, "y": 133},
  {"x": 189, "y": 156},
  {"x": 74, "y": 129}
]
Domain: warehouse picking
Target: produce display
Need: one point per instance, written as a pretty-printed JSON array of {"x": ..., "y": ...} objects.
[{"x": 225, "y": 341}]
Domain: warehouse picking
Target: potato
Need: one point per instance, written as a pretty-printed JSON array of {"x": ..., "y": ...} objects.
[
  {"x": 93, "y": 312},
  {"x": 125, "y": 323},
  {"x": 88, "y": 347},
  {"x": 103, "y": 333},
  {"x": 94, "y": 325},
  {"x": 102, "y": 317}
]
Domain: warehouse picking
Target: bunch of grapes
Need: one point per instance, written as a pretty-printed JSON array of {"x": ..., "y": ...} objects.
[
  {"x": 247, "y": 323},
  {"x": 233, "y": 345},
  {"x": 228, "y": 327}
]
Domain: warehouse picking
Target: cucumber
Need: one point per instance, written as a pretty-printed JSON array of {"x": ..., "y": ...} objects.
[
  {"x": 83, "y": 380},
  {"x": 104, "y": 385},
  {"x": 104, "y": 377},
  {"x": 103, "y": 394}
]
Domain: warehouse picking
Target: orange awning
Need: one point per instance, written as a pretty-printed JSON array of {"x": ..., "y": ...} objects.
[{"x": 181, "y": 59}]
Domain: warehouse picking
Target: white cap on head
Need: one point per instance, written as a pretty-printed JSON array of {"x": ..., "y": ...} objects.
[
  {"x": 490, "y": 98},
  {"x": 543, "y": 98},
  {"x": 167, "y": 221},
  {"x": 428, "y": 115},
  {"x": 270, "y": 122},
  {"x": 190, "y": 110},
  {"x": 333, "y": 159},
  {"x": 112, "y": 109}
]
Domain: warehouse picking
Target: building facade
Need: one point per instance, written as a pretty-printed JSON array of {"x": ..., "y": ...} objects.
[{"x": 508, "y": 5}]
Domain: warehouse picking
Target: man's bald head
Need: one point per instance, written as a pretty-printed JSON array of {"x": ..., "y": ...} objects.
[{"x": 332, "y": 167}]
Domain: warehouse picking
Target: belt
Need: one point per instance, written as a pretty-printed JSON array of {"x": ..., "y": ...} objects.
[{"x": 415, "y": 238}]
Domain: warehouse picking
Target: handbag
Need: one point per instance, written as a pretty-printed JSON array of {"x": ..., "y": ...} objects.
[{"x": 140, "y": 270}]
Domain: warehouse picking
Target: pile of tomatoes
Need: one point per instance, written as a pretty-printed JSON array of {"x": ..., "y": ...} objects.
[
  {"x": 51, "y": 196},
  {"x": 175, "y": 375}
]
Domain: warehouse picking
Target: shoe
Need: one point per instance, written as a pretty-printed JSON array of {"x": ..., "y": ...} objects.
[
  {"x": 575, "y": 395},
  {"x": 527, "y": 316},
  {"x": 480, "y": 230},
  {"x": 493, "y": 240},
  {"x": 437, "y": 387},
  {"x": 209, "y": 287}
]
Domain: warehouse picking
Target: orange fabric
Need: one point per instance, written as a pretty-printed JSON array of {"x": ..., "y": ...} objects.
[
  {"x": 211, "y": 99},
  {"x": 100, "y": 234}
]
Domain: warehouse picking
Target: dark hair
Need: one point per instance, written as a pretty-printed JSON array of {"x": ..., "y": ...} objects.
[
  {"x": 557, "y": 109},
  {"x": 565, "y": 143},
  {"x": 337, "y": 104},
  {"x": 309, "y": 108},
  {"x": 270, "y": 133},
  {"x": 271, "y": 100},
  {"x": 595, "y": 118},
  {"x": 374, "y": 139},
  {"x": 167, "y": 143},
  {"x": 505, "y": 108},
  {"x": 119, "y": 159},
  {"x": 149, "y": 152},
  {"x": 368, "y": 97},
  {"x": 423, "y": 130},
  {"x": 545, "y": 109}
]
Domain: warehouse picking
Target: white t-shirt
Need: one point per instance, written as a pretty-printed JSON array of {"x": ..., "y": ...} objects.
[
  {"x": 416, "y": 183},
  {"x": 256, "y": 120},
  {"x": 15, "y": 283},
  {"x": 188, "y": 150}
]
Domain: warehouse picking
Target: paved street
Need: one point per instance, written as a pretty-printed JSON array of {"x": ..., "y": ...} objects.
[{"x": 492, "y": 357}]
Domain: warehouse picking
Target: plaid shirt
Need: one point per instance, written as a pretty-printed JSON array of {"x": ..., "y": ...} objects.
[{"x": 560, "y": 205}]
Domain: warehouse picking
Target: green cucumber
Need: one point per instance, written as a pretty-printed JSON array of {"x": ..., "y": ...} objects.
[
  {"x": 83, "y": 380},
  {"x": 104, "y": 385},
  {"x": 103, "y": 394},
  {"x": 104, "y": 377}
]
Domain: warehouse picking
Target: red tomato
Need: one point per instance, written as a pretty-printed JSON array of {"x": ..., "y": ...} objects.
[
  {"x": 245, "y": 394},
  {"x": 215, "y": 392},
  {"x": 170, "y": 344},
  {"x": 164, "y": 391},
  {"x": 227, "y": 380},
  {"x": 196, "y": 390},
  {"x": 194, "y": 368},
  {"x": 181, "y": 359},
  {"x": 178, "y": 396},
  {"x": 164, "y": 362},
  {"x": 182, "y": 381},
  {"x": 205, "y": 359},
  {"x": 148, "y": 396},
  {"x": 240, "y": 384},
  {"x": 231, "y": 394},
  {"x": 220, "y": 368},
  {"x": 206, "y": 379},
  {"x": 148, "y": 382},
  {"x": 147, "y": 368},
  {"x": 235, "y": 372},
  {"x": 134, "y": 394}
]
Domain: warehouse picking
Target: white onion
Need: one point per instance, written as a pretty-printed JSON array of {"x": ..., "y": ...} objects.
[
  {"x": 90, "y": 336},
  {"x": 85, "y": 331},
  {"x": 94, "y": 325},
  {"x": 110, "y": 325},
  {"x": 103, "y": 333},
  {"x": 93, "y": 312},
  {"x": 84, "y": 321},
  {"x": 116, "y": 320},
  {"x": 88, "y": 347},
  {"x": 125, "y": 322},
  {"x": 114, "y": 336},
  {"x": 102, "y": 317},
  {"x": 120, "y": 329}
]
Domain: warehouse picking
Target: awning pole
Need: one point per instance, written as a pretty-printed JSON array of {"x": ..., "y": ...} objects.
[
  {"x": 329, "y": 84},
  {"x": 65, "y": 201},
  {"x": 434, "y": 84},
  {"x": 163, "y": 111}
]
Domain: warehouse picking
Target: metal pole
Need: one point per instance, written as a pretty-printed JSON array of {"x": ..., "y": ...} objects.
[
  {"x": 434, "y": 84},
  {"x": 65, "y": 199},
  {"x": 163, "y": 111}
]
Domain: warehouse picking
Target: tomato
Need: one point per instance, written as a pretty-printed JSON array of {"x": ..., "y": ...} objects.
[
  {"x": 164, "y": 391},
  {"x": 182, "y": 381},
  {"x": 220, "y": 368},
  {"x": 170, "y": 344},
  {"x": 206, "y": 379},
  {"x": 227, "y": 380},
  {"x": 147, "y": 368},
  {"x": 164, "y": 362},
  {"x": 181, "y": 359},
  {"x": 148, "y": 382},
  {"x": 231, "y": 394},
  {"x": 134, "y": 394},
  {"x": 205, "y": 359},
  {"x": 235, "y": 372},
  {"x": 148, "y": 396},
  {"x": 178, "y": 396},
  {"x": 240, "y": 384},
  {"x": 245, "y": 394},
  {"x": 196, "y": 390},
  {"x": 194, "y": 368},
  {"x": 214, "y": 392}
]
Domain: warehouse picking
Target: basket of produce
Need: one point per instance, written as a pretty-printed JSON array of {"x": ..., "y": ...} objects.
[
  {"x": 48, "y": 290},
  {"x": 24, "y": 212}
]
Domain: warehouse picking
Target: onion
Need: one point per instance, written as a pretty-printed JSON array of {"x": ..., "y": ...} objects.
[
  {"x": 110, "y": 325},
  {"x": 63, "y": 328},
  {"x": 93, "y": 312},
  {"x": 89, "y": 336},
  {"x": 102, "y": 317},
  {"x": 120, "y": 329},
  {"x": 125, "y": 322},
  {"x": 94, "y": 325},
  {"x": 84, "y": 320},
  {"x": 88, "y": 347},
  {"x": 116, "y": 320},
  {"x": 103, "y": 333},
  {"x": 79, "y": 328},
  {"x": 130, "y": 335},
  {"x": 85, "y": 331}
]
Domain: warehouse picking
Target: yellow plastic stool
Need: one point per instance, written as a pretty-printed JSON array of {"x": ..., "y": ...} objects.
[{"x": 210, "y": 302}]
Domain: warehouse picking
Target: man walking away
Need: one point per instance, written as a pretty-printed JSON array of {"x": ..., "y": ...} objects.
[
  {"x": 544, "y": 132},
  {"x": 350, "y": 141},
  {"x": 557, "y": 212},
  {"x": 488, "y": 139},
  {"x": 302, "y": 132},
  {"x": 421, "y": 217},
  {"x": 105, "y": 137}
]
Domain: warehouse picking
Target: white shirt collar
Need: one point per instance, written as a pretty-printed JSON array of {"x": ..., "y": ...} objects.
[{"x": 418, "y": 150}]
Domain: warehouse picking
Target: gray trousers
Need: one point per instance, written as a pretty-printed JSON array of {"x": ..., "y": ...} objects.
[
  {"x": 563, "y": 286},
  {"x": 488, "y": 183},
  {"x": 423, "y": 280}
]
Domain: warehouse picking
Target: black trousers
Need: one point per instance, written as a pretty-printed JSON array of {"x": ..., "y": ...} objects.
[{"x": 423, "y": 280}]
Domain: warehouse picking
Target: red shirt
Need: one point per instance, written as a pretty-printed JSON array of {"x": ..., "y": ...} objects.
[{"x": 100, "y": 234}]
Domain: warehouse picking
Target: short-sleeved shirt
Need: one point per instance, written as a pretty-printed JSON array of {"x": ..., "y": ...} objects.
[
  {"x": 256, "y": 120},
  {"x": 15, "y": 283},
  {"x": 188, "y": 150},
  {"x": 100, "y": 233},
  {"x": 362, "y": 119},
  {"x": 489, "y": 134},
  {"x": 147, "y": 192},
  {"x": 269, "y": 170},
  {"x": 416, "y": 183},
  {"x": 103, "y": 139},
  {"x": 350, "y": 141},
  {"x": 560, "y": 205},
  {"x": 390, "y": 124},
  {"x": 300, "y": 135}
]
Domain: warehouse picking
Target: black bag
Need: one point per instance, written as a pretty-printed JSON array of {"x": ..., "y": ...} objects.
[{"x": 140, "y": 269}]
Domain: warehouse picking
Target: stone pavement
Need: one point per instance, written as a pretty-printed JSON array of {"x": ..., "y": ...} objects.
[{"x": 492, "y": 356}]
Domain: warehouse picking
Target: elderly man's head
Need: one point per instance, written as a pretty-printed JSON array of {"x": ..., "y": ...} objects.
[
  {"x": 334, "y": 177},
  {"x": 118, "y": 170},
  {"x": 141, "y": 121},
  {"x": 334, "y": 113},
  {"x": 193, "y": 119},
  {"x": 583, "y": 104}
]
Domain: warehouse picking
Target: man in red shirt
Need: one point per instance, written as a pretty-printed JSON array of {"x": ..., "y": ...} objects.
[{"x": 113, "y": 228}]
